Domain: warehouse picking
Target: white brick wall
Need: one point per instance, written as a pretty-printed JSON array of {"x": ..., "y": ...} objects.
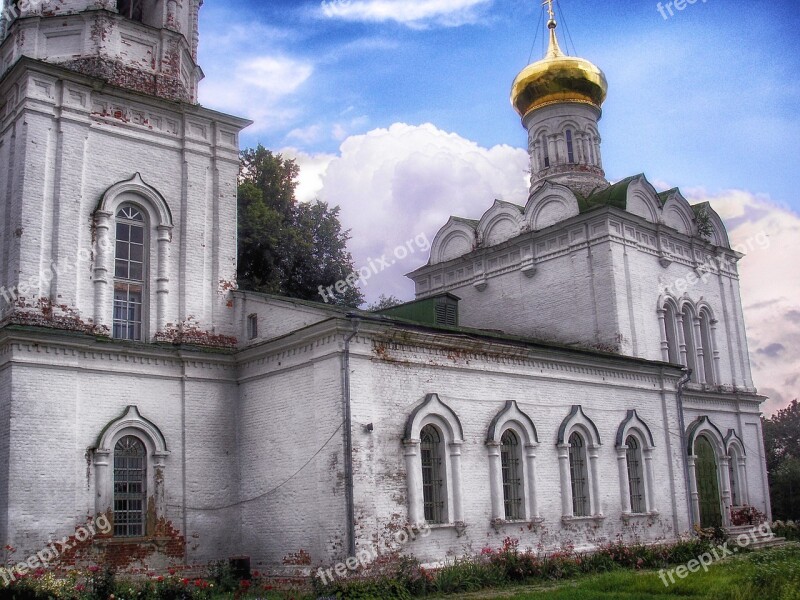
[{"x": 58, "y": 173}]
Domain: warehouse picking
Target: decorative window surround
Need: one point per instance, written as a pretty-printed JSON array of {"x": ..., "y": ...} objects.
[
  {"x": 704, "y": 426},
  {"x": 130, "y": 423},
  {"x": 738, "y": 462},
  {"x": 136, "y": 191},
  {"x": 634, "y": 426},
  {"x": 578, "y": 422},
  {"x": 432, "y": 411},
  {"x": 511, "y": 417}
]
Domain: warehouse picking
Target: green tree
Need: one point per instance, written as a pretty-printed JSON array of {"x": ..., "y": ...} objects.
[
  {"x": 782, "y": 443},
  {"x": 286, "y": 247},
  {"x": 383, "y": 302}
]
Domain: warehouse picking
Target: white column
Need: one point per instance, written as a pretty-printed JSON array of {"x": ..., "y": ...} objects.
[
  {"x": 530, "y": 480},
  {"x": 566, "y": 482},
  {"x": 699, "y": 358},
  {"x": 416, "y": 512},
  {"x": 455, "y": 465},
  {"x": 717, "y": 370},
  {"x": 650, "y": 499},
  {"x": 693, "y": 493},
  {"x": 551, "y": 141},
  {"x": 743, "y": 487},
  {"x": 162, "y": 280},
  {"x": 102, "y": 483},
  {"x": 496, "y": 476},
  {"x": 625, "y": 486},
  {"x": 103, "y": 269},
  {"x": 681, "y": 340},
  {"x": 725, "y": 478},
  {"x": 662, "y": 321},
  {"x": 594, "y": 453}
]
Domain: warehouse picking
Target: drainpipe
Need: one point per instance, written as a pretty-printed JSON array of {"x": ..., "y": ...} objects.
[
  {"x": 348, "y": 441},
  {"x": 687, "y": 375}
]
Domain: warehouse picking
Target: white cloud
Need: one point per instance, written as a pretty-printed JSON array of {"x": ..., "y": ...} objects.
[
  {"x": 259, "y": 88},
  {"x": 413, "y": 13},
  {"x": 405, "y": 181},
  {"x": 769, "y": 236}
]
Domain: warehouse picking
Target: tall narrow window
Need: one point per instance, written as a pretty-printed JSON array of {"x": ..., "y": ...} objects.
[
  {"x": 734, "y": 482},
  {"x": 708, "y": 346},
  {"x": 432, "y": 476},
  {"x": 691, "y": 346},
  {"x": 545, "y": 152},
  {"x": 579, "y": 476},
  {"x": 129, "y": 274},
  {"x": 132, "y": 9},
  {"x": 252, "y": 326},
  {"x": 635, "y": 478},
  {"x": 130, "y": 487},
  {"x": 570, "y": 148},
  {"x": 510, "y": 460},
  {"x": 672, "y": 334}
]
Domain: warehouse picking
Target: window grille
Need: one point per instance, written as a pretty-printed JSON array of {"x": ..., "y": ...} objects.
[
  {"x": 129, "y": 274},
  {"x": 432, "y": 481},
  {"x": 130, "y": 487},
  {"x": 252, "y": 326},
  {"x": 635, "y": 479},
  {"x": 579, "y": 476},
  {"x": 570, "y": 148},
  {"x": 512, "y": 478}
]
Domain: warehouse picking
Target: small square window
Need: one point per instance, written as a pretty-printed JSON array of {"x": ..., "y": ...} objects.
[{"x": 252, "y": 327}]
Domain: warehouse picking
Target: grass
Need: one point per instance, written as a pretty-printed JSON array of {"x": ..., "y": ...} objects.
[{"x": 770, "y": 574}]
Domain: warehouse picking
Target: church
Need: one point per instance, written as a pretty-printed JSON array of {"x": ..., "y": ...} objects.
[{"x": 571, "y": 371}]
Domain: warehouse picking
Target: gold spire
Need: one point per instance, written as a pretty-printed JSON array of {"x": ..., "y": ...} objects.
[
  {"x": 553, "y": 50},
  {"x": 557, "y": 78}
]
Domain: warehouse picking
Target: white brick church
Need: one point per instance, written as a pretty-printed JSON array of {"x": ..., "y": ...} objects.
[{"x": 572, "y": 370}]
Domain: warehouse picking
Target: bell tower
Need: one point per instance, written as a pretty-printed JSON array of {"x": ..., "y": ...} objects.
[
  {"x": 117, "y": 189},
  {"x": 147, "y": 46}
]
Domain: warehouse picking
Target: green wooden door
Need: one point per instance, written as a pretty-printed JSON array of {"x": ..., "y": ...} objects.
[{"x": 707, "y": 484}]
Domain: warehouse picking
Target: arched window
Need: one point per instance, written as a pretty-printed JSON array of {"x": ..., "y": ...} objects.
[
  {"x": 432, "y": 442},
  {"x": 635, "y": 446},
  {"x": 433, "y": 485},
  {"x": 130, "y": 267},
  {"x": 689, "y": 340},
  {"x": 570, "y": 147},
  {"x": 706, "y": 339},
  {"x": 131, "y": 9},
  {"x": 635, "y": 475},
  {"x": 511, "y": 463},
  {"x": 130, "y": 487},
  {"x": 545, "y": 151},
  {"x": 579, "y": 476},
  {"x": 670, "y": 324}
]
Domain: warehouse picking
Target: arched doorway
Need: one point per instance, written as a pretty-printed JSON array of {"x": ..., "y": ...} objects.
[{"x": 707, "y": 483}]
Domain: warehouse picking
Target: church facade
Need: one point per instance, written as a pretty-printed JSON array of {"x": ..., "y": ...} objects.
[{"x": 572, "y": 370}]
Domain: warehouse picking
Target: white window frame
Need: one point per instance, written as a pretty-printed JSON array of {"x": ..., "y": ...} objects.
[
  {"x": 132, "y": 423},
  {"x": 738, "y": 465},
  {"x": 514, "y": 419},
  {"x": 703, "y": 426},
  {"x": 634, "y": 426},
  {"x": 432, "y": 411},
  {"x": 578, "y": 422}
]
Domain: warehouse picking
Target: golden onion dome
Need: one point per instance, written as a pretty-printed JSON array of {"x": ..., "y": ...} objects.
[{"x": 558, "y": 78}]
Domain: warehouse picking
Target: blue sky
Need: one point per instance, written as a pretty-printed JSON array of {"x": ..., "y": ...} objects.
[{"x": 398, "y": 111}]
